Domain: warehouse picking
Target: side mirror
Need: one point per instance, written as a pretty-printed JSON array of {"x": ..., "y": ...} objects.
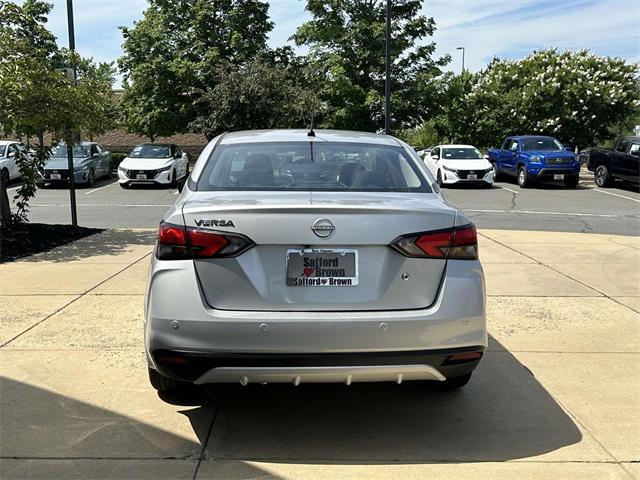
[
  {"x": 95, "y": 155},
  {"x": 181, "y": 183},
  {"x": 486, "y": 157},
  {"x": 568, "y": 149},
  {"x": 11, "y": 154},
  {"x": 435, "y": 158}
]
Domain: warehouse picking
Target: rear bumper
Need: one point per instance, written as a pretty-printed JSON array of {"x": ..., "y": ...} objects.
[
  {"x": 203, "y": 367},
  {"x": 178, "y": 320}
]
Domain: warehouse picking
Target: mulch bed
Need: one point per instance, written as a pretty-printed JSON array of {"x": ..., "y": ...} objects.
[{"x": 27, "y": 239}]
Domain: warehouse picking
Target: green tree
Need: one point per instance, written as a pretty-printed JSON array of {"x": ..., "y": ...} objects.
[
  {"x": 37, "y": 97},
  {"x": 174, "y": 53},
  {"x": 260, "y": 94},
  {"x": 346, "y": 40},
  {"x": 577, "y": 97},
  {"x": 424, "y": 136}
]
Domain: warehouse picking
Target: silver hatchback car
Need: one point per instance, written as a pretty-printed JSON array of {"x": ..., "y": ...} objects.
[{"x": 327, "y": 256}]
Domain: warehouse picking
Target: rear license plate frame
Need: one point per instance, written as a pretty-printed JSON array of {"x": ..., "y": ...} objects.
[{"x": 293, "y": 279}]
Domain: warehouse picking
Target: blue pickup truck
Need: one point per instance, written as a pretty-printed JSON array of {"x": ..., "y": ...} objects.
[{"x": 532, "y": 158}]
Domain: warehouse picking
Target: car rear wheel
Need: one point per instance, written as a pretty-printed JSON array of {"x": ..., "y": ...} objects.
[
  {"x": 454, "y": 383},
  {"x": 602, "y": 177},
  {"x": 4, "y": 176},
  {"x": 523, "y": 180},
  {"x": 165, "y": 384}
]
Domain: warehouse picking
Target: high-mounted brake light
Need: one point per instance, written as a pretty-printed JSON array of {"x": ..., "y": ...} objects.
[
  {"x": 459, "y": 243},
  {"x": 176, "y": 242}
]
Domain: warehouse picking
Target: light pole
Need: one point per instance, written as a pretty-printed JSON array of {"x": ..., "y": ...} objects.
[
  {"x": 72, "y": 183},
  {"x": 462, "y": 48},
  {"x": 387, "y": 69}
]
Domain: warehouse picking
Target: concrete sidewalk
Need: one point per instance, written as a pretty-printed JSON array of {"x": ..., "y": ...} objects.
[{"x": 557, "y": 395}]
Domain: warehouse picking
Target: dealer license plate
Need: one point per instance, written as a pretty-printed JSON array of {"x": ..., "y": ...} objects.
[
  {"x": 56, "y": 176},
  {"x": 141, "y": 176},
  {"x": 558, "y": 176},
  {"x": 322, "y": 268},
  {"x": 472, "y": 176}
]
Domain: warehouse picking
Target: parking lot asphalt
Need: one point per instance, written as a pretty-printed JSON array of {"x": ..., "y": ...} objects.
[
  {"x": 556, "y": 396},
  {"x": 547, "y": 207}
]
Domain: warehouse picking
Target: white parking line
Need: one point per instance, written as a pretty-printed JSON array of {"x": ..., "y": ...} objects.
[
  {"x": 615, "y": 195},
  {"x": 506, "y": 188},
  {"x": 100, "y": 188},
  {"x": 570, "y": 214}
]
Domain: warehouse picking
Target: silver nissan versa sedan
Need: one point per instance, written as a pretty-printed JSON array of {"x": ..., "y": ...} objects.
[{"x": 299, "y": 256}]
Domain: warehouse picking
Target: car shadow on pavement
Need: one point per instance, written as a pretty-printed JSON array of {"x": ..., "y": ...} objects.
[
  {"x": 108, "y": 242},
  {"x": 502, "y": 414}
]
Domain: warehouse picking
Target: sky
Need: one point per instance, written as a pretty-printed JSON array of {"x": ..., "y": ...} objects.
[{"x": 486, "y": 28}]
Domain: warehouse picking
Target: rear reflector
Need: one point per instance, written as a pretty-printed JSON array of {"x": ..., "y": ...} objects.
[
  {"x": 176, "y": 242},
  {"x": 459, "y": 358},
  {"x": 458, "y": 243}
]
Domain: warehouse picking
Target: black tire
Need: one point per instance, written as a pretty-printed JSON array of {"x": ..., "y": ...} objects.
[
  {"x": 4, "y": 176},
  {"x": 174, "y": 179},
  {"x": 498, "y": 176},
  {"x": 571, "y": 181},
  {"x": 165, "y": 384},
  {"x": 454, "y": 383},
  {"x": 523, "y": 179},
  {"x": 602, "y": 177},
  {"x": 91, "y": 178}
]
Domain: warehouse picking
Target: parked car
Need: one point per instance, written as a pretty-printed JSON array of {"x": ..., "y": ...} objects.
[
  {"x": 90, "y": 162},
  {"x": 583, "y": 156},
  {"x": 153, "y": 163},
  {"x": 325, "y": 258},
  {"x": 535, "y": 158},
  {"x": 8, "y": 167},
  {"x": 622, "y": 162},
  {"x": 451, "y": 164}
]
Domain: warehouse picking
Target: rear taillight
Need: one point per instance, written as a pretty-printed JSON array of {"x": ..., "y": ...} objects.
[
  {"x": 459, "y": 243},
  {"x": 176, "y": 242}
]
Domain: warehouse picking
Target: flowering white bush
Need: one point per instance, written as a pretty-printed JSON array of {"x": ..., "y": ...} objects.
[{"x": 574, "y": 96}]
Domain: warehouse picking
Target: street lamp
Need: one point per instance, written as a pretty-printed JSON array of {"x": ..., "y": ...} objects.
[
  {"x": 72, "y": 183},
  {"x": 387, "y": 69},
  {"x": 462, "y": 48}
]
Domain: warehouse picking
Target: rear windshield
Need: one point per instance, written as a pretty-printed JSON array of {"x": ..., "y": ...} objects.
[
  {"x": 311, "y": 166},
  {"x": 150, "y": 151},
  {"x": 461, "y": 153},
  {"x": 540, "y": 143}
]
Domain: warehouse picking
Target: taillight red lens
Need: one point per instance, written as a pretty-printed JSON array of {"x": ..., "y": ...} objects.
[
  {"x": 435, "y": 245},
  {"x": 176, "y": 242},
  {"x": 460, "y": 243}
]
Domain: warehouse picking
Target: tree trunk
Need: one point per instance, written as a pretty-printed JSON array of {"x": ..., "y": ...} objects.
[{"x": 5, "y": 206}]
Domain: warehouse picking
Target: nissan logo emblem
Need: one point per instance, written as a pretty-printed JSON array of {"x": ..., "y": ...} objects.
[{"x": 323, "y": 228}]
